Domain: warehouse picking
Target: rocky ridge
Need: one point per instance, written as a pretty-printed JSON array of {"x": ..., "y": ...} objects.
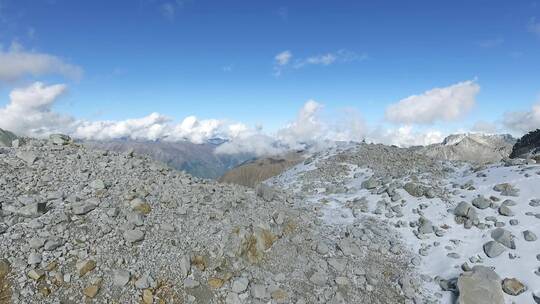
[
  {"x": 471, "y": 147},
  {"x": 469, "y": 225},
  {"x": 527, "y": 146},
  {"x": 83, "y": 225}
]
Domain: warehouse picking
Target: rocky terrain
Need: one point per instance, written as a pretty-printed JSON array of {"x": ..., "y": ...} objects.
[
  {"x": 83, "y": 225},
  {"x": 471, "y": 147},
  {"x": 196, "y": 159},
  {"x": 473, "y": 230},
  {"x": 528, "y": 146},
  {"x": 253, "y": 172},
  {"x": 355, "y": 223}
]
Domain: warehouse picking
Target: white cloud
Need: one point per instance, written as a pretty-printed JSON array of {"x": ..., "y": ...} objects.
[
  {"x": 405, "y": 136},
  {"x": 524, "y": 121},
  {"x": 341, "y": 56},
  {"x": 29, "y": 111},
  {"x": 439, "y": 104},
  {"x": 534, "y": 26},
  {"x": 284, "y": 60},
  {"x": 150, "y": 127},
  {"x": 16, "y": 63},
  {"x": 281, "y": 60}
]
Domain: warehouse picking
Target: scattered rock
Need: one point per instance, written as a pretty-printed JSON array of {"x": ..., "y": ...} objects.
[
  {"x": 134, "y": 235},
  {"x": 480, "y": 286},
  {"x": 85, "y": 266},
  {"x": 513, "y": 286},
  {"x": 529, "y": 236},
  {"x": 493, "y": 249}
]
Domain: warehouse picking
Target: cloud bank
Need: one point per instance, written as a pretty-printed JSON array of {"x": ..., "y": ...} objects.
[
  {"x": 439, "y": 104},
  {"x": 16, "y": 63},
  {"x": 30, "y": 111},
  {"x": 523, "y": 121}
]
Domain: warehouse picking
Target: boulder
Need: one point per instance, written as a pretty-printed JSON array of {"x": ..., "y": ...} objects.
[
  {"x": 59, "y": 139},
  {"x": 513, "y": 286},
  {"x": 493, "y": 249},
  {"x": 504, "y": 237},
  {"x": 481, "y": 285},
  {"x": 414, "y": 189},
  {"x": 481, "y": 202}
]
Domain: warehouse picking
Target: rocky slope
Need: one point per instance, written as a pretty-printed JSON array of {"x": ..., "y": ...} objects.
[
  {"x": 528, "y": 146},
  {"x": 80, "y": 225},
  {"x": 196, "y": 159},
  {"x": 473, "y": 229},
  {"x": 254, "y": 172},
  {"x": 478, "y": 148}
]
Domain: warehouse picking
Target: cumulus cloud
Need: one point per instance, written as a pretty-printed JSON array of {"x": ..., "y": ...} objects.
[
  {"x": 405, "y": 136},
  {"x": 439, "y": 104},
  {"x": 16, "y": 63},
  {"x": 308, "y": 130},
  {"x": 29, "y": 111},
  {"x": 523, "y": 121}
]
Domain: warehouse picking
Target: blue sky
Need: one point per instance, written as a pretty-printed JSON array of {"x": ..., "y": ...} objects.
[{"x": 216, "y": 59}]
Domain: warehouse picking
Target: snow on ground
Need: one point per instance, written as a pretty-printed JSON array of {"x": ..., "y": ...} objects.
[{"x": 458, "y": 245}]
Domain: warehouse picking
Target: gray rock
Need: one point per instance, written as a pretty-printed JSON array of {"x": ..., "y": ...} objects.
[
  {"x": 36, "y": 243},
  {"x": 480, "y": 286},
  {"x": 506, "y": 189},
  {"x": 463, "y": 209},
  {"x": 52, "y": 244},
  {"x": 34, "y": 258},
  {"x": 190, "y": 283},
  {"x": 258, "y": 291},
  {"x": 504, "y": 210},
  {"x": 318, "y": 278},
  {"x": 370, "y": 183},
  {"x": 121, "y": 278},
  {"x": 59, "y": 139},
  {"x": 82, "y": 208},
  {"x": 145, "y": 281},
  {"x": 425, "y": 226},
  {"x": 503, "y": 237},
  {"x": 97, "y": 184},
  {"x": 513, "y": 286},
  {"x": 133, "y": 236},
  {"x": 481, "y": 202},
  {"x": 529, "y": 236},
  {"x": 414, "y": 189},
  {"x": 232, "y": 298},
  {"x": 27, "y": 156},
  {"x": 493, "y": 249},
  {"x": 240, "y": 285}
]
